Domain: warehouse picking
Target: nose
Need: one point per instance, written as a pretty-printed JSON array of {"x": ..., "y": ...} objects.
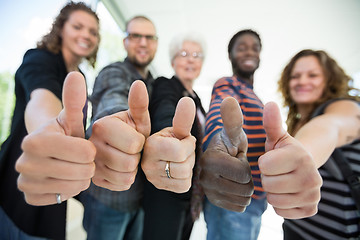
[
  {"x": 302, "y": 79},
  {"x": 143, "y": 41},
  {"x": 85, "y": 33}
]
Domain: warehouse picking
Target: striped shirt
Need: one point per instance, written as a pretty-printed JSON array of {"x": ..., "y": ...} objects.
[
  {"x": 337, "y": 217},
  {"x": 252, "y": 109}
]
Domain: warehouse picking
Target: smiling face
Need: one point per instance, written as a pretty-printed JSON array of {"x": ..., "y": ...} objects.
[
  {"x": 245, "y": 55},
  {"x": 307, "y": 81},
  {"x": 141, "y": 51},
  {"x": 80, "y": 35},
  {"x": 188, "y": 62}
]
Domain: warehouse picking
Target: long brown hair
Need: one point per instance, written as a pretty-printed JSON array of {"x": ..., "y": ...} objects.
[
  {"x": 52, "y": 41},
  {"x": 336, "y": 81}
]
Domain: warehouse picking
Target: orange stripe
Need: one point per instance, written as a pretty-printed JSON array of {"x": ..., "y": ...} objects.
[
  {"x": 255, "y": 172},
  {"x": 247, "y": 100},
  {"x": 257, "y": 179},
  {"x": 207, "y": 136},
  {"x": 257, "y": 136},
  {"x": 251, "y": 145},
  {"x": 246, "y": 109},
  {"x": 254, "y": 154},
  {"x": 212, "y": 118},
  {"x": 253, "y": 163},
  {"x": 252, "y": 118},
  {"x": 260, "y": 189},
  {"x": 253, "y": 127}
]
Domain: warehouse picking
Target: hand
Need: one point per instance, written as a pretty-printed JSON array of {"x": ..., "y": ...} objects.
[
  {"x": 175, "y": 146},
  {"x": 289, "y": 174},
  {"x": 119, "y": 140},
  {"x": 56, "y": 158},
  {"x": 225, "y": 171}
]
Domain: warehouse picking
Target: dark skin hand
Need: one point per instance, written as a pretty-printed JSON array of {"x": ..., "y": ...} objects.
[{"x": 225, "y": 172}]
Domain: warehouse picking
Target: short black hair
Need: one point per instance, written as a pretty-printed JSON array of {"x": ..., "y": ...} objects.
[{"x": 240, "y": 33}]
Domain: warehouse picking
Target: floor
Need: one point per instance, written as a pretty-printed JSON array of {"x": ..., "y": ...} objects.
[{"x": 270, "y": 229}]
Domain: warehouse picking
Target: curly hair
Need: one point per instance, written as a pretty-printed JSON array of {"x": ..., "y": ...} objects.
[
  {"x": 337, "y": 84},
  {"x": 52, "y": 41}
]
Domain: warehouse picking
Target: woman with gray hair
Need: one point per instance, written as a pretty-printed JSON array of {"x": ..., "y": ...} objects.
[{"x": 171, "y": 215}]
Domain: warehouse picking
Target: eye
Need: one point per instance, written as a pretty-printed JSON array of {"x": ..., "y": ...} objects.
[
  {"x": 94, "y": 33},
  {"x": 77, "y": 27},
  {"x": 241, "y": 48},
  {"x": 256, "y": 48}
]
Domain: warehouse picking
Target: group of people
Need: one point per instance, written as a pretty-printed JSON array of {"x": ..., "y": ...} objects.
[{"x": 152, "y": 159}]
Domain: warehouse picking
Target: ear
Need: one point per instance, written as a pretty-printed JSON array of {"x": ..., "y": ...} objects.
[{"x": 125, "y": 44}]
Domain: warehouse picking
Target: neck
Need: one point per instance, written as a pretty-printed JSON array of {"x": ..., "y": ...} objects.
[
  {"x": 142, "y": 71},
  {"x": 246, "y": 78},
  {"x": 72, "y": 62},
  {"x": 188, "y": 84},
  {"x": 303, "y": 111}
]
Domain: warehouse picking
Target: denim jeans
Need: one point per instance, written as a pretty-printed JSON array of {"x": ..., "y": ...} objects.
[
  {"x": 229, "y": 225},
  {"x": 9, "y": 231},
  {"x": 102, "y": 222}
]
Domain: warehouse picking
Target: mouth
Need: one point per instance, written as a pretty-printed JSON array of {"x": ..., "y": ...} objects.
[
  {"x": 190, "y": 69},
  {"x": 84, "y": 45},
  {"x": 250, "y": 63},
  {"x": 142, "y": 53}
]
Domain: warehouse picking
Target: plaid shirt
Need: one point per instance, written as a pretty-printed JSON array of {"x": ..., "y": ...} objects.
[{"x": 110, "y": 95}]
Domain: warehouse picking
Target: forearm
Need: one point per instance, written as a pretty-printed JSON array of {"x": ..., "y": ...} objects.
[
  {"x": 42, "y": 107},
  {"x": 318, "y": 139},
  {"x": 339, "y": 125}
]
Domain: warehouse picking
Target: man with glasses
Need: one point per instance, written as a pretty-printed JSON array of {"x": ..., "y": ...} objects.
[{"x": 117, "y": 214}]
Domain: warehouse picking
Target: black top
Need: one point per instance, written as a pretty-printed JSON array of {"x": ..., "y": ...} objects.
[
  {"x": 39, "y": 69},
  {"x": 165, "y": 96},
  {"x": 167, "y": 214}
]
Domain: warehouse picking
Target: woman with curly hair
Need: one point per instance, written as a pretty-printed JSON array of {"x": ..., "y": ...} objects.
[
  {"x": 39, "y": 82},
  {"x": 323, "y": 115}
]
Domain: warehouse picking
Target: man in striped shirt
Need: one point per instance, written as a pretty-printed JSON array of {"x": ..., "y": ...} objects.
[{"x": 225, "y": 175}]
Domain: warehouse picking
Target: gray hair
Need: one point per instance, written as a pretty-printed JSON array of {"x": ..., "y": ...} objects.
[{"x": 178, "y": 41}]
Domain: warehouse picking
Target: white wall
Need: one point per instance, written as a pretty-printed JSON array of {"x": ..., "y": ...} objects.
[{"x": 285, "y": 27}]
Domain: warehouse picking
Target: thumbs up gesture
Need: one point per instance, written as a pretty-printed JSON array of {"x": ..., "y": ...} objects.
[
  {"x": 56, "y": 158},
  {"x": 119, "y": 140},
  {"x": 225, "y": 172},
  {"x": 289, "y": 174},
  {"x": 169, "y": 155}
]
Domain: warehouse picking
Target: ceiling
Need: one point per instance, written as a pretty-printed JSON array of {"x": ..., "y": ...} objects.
[{"x": 285, "y": 26}]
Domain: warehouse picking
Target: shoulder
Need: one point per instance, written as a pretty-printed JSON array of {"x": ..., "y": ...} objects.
[
  {"x": 161, "y": 81},
  {"x": 114, "y": 74},
  {"x": 39, "y": 55},
  {"x": 342, "y": 106},
  {"x": 224, "y": 81},
  {"x": 114, "y": 67}
]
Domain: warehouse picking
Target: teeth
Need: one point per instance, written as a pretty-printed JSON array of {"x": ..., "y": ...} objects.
[
  {"x": 249, "y": 62},
  {"x": 84, "y": 45}
]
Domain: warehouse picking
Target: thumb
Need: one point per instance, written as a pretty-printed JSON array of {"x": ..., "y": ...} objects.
[
  {"x": 235, "y": 139},
  {"x": 272, "y": 125},
  {"x": 138, "y": 107},
  {"x": 73, "y": 98},
  {"x": 184, "y": 117}
]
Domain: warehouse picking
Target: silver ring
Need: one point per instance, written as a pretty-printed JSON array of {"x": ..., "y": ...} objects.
[
  {"x": 167, "y": 169},
  {"x": 58, "y": 198}
]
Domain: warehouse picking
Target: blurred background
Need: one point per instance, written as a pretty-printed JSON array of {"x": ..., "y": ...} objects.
[{"x": 285, "y": 26}]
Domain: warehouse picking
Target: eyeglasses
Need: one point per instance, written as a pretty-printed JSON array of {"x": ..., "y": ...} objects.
[
  {"x": 195, "y": 55},
  {"x": 136, "y": 37}
]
